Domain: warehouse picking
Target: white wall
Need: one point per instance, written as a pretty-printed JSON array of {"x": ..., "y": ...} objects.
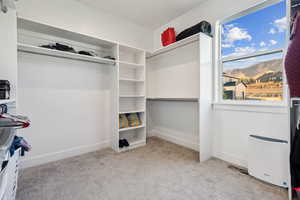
[
  {"x": 174, "y": 74},
  {"x": 174, "y": 121},
  {"x": 75, "y": 16},
  {"x": 210, "y": 10},
  {"x": 8, "y": 55},
  {"x": 68, "y": 103},
  {"x": 234, "y": 124}
]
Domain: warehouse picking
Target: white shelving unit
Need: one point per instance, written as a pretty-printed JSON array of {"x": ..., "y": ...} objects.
[
  {"x": 132, "y": 99},
  {"x": 128, "y": 93},
  {"x": 183, "y": 72},
  {"x": 32, "y": 35}
]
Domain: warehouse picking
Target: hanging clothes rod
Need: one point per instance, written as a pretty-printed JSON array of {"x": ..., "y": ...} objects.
[{"x": 296, "y": 5}]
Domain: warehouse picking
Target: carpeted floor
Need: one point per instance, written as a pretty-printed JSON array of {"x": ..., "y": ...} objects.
[{"x": 158, "y": 171}]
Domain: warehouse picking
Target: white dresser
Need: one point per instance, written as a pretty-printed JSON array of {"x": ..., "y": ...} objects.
[{"x": 9, "y": 177}]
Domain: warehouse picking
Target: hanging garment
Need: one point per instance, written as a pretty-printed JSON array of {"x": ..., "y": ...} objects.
[
  {"x": 292, "y": 60},
  {"x": 295, "y": 160},
  {"x": 19, "y": 142}
]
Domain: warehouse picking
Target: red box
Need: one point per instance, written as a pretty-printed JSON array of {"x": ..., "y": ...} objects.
[{"x": 168, "y": 37}]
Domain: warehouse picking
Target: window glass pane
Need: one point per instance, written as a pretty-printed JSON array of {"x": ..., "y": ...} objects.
[
  {"x": 258, "y": 78},
  {"x": 262, "y": 30}
]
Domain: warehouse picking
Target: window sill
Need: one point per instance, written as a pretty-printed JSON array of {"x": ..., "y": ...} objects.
[{"x": 258, "y": 107}]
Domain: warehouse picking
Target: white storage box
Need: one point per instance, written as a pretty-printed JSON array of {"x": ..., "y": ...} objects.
[{"x": 268, "y": 160}]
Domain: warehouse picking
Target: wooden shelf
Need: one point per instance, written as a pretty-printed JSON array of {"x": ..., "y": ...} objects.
[
  {"x": 7, "y": 101},
  {"x": 175, "y": 45},
  {"x": 135, "y": 65},
  {"x": 133, "y": 111},
  {"x": 132, "y": 96},
  {"x": 131, "y": 128},
  {"x": 62, "y": 54},
  {"x": 172, "y": 99},
  {"x": 131, "y": 80},
  {"x": 133, "y": 144}
]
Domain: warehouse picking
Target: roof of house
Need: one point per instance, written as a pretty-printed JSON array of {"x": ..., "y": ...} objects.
[
  {"x": 228, "y": 84},
  {"x": 229, "y": 76},
  {"x": 234, "y": 83}
]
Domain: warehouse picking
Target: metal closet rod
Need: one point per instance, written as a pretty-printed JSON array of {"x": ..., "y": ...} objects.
[{"x": 296, "y": 5}]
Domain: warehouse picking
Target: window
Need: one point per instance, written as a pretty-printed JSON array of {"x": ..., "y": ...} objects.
[{"x": 251, "y": 55}]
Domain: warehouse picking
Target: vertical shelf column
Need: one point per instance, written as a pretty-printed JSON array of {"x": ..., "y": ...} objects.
[
  {"x": 131, "y": 96},
  {"x": 115, "y": 102}
]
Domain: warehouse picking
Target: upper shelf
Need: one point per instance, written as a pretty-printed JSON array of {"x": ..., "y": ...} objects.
[
  {"x": 7, "y": 101},
  {"x": 176, "y": 45},
  {"x": 62, "y": 33},
  {"x": 132, "y": 65},
  {"x": 172, "y": 99},
  {"x": 63, "y": 54}
]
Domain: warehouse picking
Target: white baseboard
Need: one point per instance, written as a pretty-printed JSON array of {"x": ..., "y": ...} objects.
[
  {"x": 176, "y": 137},
  {"x": 55, "y": 156},
  {"x": 231, "y": 159}
]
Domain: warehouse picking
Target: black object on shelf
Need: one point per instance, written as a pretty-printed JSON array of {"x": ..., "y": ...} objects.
[
  {"x": 109, "y": 57},
  {"x": 59, "y": 47},
  {"x": 126, "y": 143},
  {"x": 48, "y": 46},
  {"x": 123, "y": 143},
  {"x": 203, "y": 27},
  {"x": 62, "y": 47},
  {"x": 87, "y": 53},
  {"x": 4, "y": 89}
]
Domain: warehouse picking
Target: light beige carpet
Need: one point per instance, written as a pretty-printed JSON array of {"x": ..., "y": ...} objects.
[{"x": 158, "y": 171}]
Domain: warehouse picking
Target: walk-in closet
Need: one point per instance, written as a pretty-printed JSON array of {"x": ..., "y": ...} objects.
[{"x": 107, "y": 100}]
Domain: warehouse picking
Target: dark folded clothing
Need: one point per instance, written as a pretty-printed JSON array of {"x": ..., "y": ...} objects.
[
  {"x": 87, "y": 53},
  {"x": 48, "y": 46},
  {"x": 62, "y": 47},
  {"x": 109, "y": 57}
]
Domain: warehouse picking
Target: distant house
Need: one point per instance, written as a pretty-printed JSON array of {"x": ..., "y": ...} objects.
[{"x": 234, "y": 88}]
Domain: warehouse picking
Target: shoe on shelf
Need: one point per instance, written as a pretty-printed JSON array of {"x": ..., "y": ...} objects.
[
  {"x": 125, "y": 143},
  {"x": 121, "y": 144}
]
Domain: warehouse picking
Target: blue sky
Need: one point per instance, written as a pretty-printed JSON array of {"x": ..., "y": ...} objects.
[{"x": 262, "y": 30}]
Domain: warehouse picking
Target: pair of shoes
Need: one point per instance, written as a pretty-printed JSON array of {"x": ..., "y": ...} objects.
[{"x": 123, "y": 143}]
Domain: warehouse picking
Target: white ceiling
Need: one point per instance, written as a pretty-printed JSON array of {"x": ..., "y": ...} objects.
[{"x": 149, "y": 13}]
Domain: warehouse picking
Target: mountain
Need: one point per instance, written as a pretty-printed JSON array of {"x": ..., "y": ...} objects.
[
  {"x": 273, "y": 76},
  {"x": 258, "y": 70}
]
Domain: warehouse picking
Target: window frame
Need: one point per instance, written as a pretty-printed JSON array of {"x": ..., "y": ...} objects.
[{"x": 218, "y": 96}]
